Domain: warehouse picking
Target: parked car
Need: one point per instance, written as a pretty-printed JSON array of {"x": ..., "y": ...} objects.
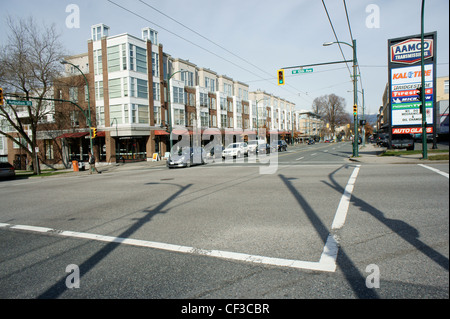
[
  {"x": 235, "y": 150},
  {"x": 263, "y": 149},
  {"x": 311, "y": 142},
  {"x": 7, "y": 171},
  {"x": 279, "y": 145},
  {"x": 186, "y": 157},
  {"x": 215, "y": 152},
  {"x": 402, "y": 141},
  {"x": 383, "y": 139},
  {"x": 253, "y": 145}
]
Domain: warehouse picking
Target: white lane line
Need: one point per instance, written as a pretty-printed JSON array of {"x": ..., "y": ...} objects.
[
  {"x": 341, "y": 212},
  {"x": 181, "y": 249},
  {"x": 434, "y": 170},
  {"x": 298, "y": 159},
  {"x": 313, "y": 154},
  {"x": 326, "y": 263},
  {"x": 331, "y": 248}
]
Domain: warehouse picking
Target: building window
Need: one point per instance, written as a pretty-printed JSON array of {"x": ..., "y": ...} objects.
[
  {"x": 210, "y": 84},
  {"x": 73, "y": 94},
  {"x": 113, "y": 59},
  {"x": 179, "y": 118},
  {"x": 178, "y": 95},
  {"x": 155, "y": 64},
  {"x": 115, "y": 88},
  {"x": 98, "y": 62},
  {"x": 48, "y": 145},
  {"x": 115, "y": 111},
  {"x": 204, "y": 101},
  {"x": 99, "y": 90},
  {"x": 142, "y": 90},
  {"x": 100, "y": 115},
  {"x": 223, "y": 120},
  {"x": 223, "y": 104},
  {"x": 156, "y": 92},
  {"x": 187, "y": 77},
  {"x": 204, "y": 119},
  {"x": 131, "y": 57},
  {"x": 141, "y": 60},
  {"x": 446, "y": 87},
  {"x": 143, "y": 114},
  {"x": 157, "y": 114}
]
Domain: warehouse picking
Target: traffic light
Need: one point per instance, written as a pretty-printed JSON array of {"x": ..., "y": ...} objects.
[
  {"x": 420, "y": 93},
  {"x": 280, "y": 77},
  {"x": 93, "y": 132},
  {"x": 355, "y": 109},
  {"x": 1, "y": 96}
]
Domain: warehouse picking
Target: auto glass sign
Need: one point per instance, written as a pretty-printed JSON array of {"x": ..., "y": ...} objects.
[{"x": 409, "y": 51}]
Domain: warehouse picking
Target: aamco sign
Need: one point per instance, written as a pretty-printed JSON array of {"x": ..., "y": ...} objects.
[{"x": 409, "y": 51}]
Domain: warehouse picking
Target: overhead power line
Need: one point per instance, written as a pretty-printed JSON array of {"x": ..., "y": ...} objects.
[
  {"x": 199, "y": 46},
  {"x": 335, "y": 35}
]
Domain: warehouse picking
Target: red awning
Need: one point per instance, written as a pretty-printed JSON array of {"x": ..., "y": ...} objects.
[
  {"x": 161, "y": 132},
  {"x": 74, "y": 135},
  {"x": 101, "y": 134}
]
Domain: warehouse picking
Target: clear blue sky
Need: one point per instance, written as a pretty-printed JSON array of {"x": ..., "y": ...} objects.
[{"x": 260, "y": 36}]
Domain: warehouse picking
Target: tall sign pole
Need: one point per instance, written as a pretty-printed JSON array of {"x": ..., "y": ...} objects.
[{"x": 423, "y": 95}]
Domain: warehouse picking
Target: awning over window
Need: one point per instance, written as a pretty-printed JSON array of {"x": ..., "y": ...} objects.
[
  {"x": 74, "y": 135},
  {"x": 161, "y": 132}
]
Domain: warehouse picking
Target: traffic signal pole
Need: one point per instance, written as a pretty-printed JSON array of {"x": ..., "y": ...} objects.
[{"x": 423, "y": 95}]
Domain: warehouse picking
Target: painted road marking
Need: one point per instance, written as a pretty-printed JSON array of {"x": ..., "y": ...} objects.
[
  {"x": 327, "y": 261},
  {"x": 434, "y": 170}
]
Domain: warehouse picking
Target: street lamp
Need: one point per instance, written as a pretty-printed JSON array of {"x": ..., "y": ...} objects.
[
  {"x": 88, "y": 118},
  {"x": 355, "y": 92},
  {"x": 169, "y": 111}
]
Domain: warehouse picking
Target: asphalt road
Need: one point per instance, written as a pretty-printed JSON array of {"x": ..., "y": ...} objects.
[{"x": 309, "y": 224}]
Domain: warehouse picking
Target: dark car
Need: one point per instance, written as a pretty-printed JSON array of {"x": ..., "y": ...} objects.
[
  {"x": 7, "y": 171},
  {"x": 383, "y": 139},
  {"x": 263, "y": 148},
  {"x": 402, "y": 141},
  {"x": 186, "y": 157},
  {"x": 311, "y": 142},
  {"x": 279, "y": 146}
]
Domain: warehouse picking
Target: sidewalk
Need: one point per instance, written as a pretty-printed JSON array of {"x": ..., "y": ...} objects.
[
  {"x": 113, "y": 167},
  {"x": 371, "y": 153}
]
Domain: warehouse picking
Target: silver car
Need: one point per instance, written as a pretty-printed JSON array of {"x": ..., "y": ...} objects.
[{"x": 7, "y": 171}]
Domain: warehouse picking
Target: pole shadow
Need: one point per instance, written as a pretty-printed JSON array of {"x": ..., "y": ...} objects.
[
  {"x": 401, "y": 228},
  {"x": 356, "y": 281},
  {"x": 60, "y": 287}
]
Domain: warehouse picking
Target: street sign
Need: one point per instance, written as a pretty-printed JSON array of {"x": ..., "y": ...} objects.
[
  {"x": 18, "y": 102},
  {"x": 310, "y": 70}
]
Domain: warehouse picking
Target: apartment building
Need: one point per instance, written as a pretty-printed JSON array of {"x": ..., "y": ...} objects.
[{"x": 133, "y": 92}]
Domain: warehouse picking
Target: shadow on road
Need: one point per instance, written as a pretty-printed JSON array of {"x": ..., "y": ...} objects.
[
  {"x": 351, "y": 273},
  {"x": 60, "y": 287}
]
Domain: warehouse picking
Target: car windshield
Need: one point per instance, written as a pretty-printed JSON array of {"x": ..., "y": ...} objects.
[{"x": 234, "y": 145}]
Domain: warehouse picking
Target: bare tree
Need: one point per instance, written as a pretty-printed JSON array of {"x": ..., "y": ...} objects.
[
  {"x": 331, "y": 109},
  {"x": 30, "y": 63}
]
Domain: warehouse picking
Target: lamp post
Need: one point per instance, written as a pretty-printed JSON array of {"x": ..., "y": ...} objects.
[
  {"x": 355, "y": 92},
  {"x": 88, "y": 117},
  {"x": 169, "y": 111}
]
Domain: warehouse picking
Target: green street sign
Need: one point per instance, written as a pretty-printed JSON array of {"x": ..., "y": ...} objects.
[
  {"x": 20, "y": 103},
  {"x": 310, "y": 70}
]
